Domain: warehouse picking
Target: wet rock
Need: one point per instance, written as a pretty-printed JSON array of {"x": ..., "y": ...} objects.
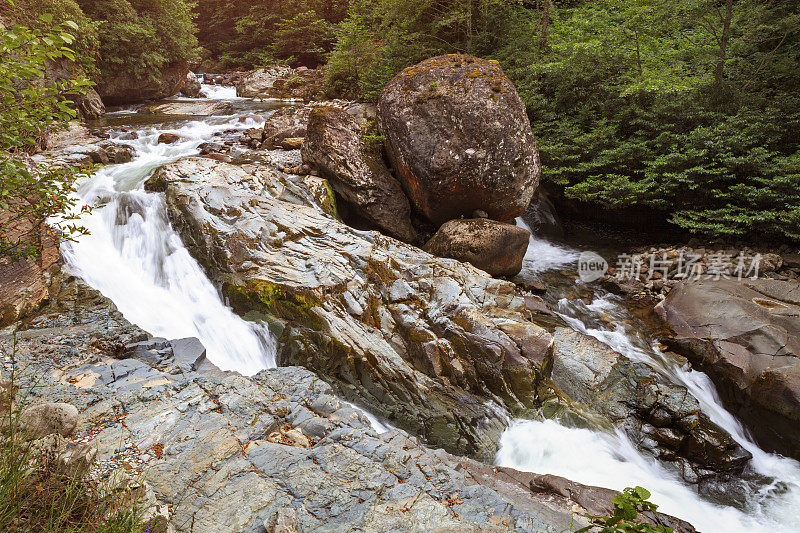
[
  {"x": 287, "y": 122},
  {"x": 195, "y": 109},
  {"x": 90, "y": 106},
  {"x": 492, "y": 246},
  {"x": 541, "y": 217},
  {"x": 210, "y": 148},
  {"x": 335, "y": 146},
  {"x": 745, "y": 335},
  {"x": 436, "y": 338},
  {"x": 49, "y": 418},
  {"x": 261, "y": 82},
  {"x": 662, "y": 418},
  {"x": 124, "y": 87},
  {"x": 168, "y": 138},
  {"x": 191, "y": 86},
  {"x": 459, "y": 140}
]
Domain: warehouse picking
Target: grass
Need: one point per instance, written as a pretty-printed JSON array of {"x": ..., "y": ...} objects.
[{"x": 38, "y": 493}]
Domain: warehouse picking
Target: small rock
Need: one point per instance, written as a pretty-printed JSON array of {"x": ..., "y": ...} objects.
[
  {"x": 49, "y": 418},
  {"x": 210, "y": 148},
  {"x": 168, "y": 138},
  {"x": 292, "y": 143}
]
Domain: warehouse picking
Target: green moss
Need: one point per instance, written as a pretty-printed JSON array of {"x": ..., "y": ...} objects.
[{"x": 275, "y": 300}]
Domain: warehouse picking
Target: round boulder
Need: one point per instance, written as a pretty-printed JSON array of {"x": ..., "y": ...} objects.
[
  {"x": 50, "y": 418},
  {"x": 492, "y": 246},
  {"x": 459, "y": 140},
  {"x": 191, "y": 86}
]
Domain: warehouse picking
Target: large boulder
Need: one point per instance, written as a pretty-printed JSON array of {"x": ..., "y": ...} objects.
[
  {"x": 746, "y": 336},
  {"x": 286, "y": 123},
  {"x": 661, "y": 418},
  {"x": 191, "y": 86},
  {"x": 261, "y": 82},
  {"x": 124, "y": 88},
  {"x": 493, "y": 246},
  {"x": 335, "y": 145},
  {"x": 282, "y": 82},
  {"x": 459, "y": 140},
  {"x": 433, "y": 344}
]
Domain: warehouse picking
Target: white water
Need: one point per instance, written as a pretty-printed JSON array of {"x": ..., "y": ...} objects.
[
  {"x": 135, "y": 258},
  {"x": 218, "y": 92},
  {"x": 543, "y": 255},
  {"x": 611, "y": 460}
]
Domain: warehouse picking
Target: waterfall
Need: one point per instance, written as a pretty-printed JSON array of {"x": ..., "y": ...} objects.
[{"x": 134, "y": 257}]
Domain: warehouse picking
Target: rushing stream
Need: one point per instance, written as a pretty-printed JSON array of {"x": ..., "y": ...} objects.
[{"x": 135, "y": 258}]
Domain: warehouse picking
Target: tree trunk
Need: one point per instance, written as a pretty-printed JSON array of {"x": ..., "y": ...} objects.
[{"x": 723, "y": 45}]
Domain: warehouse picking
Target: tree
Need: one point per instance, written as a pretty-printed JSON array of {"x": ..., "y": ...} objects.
[{"x": 28, "y": 112}]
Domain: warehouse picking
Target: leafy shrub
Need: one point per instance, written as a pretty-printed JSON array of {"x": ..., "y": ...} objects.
[
  {"x": 627, "y": 506},
  {"x": 29, "y": 111}
]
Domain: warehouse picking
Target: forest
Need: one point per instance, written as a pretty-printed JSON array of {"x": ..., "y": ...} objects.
[{"x": 686, "y": 110}]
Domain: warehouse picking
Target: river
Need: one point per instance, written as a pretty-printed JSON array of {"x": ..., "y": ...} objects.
[{"x": 135, "y": 258}]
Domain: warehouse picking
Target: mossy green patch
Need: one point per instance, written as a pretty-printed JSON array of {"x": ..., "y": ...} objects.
[{"x": 275, "y": 300}]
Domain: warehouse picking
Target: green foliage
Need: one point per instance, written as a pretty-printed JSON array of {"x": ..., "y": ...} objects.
[
  {"x": 627, "y": 506},
  {"x": 675, "y": 106},
  {"x": 29, "y": 110},
  {"x": 142, "y": 37},
  {"x": 252, "y": 34},
  {"x": 86, "y": 43}
]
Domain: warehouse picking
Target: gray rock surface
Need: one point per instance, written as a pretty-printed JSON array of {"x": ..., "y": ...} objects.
[
  {"x": 334, "y": 145},
  {"x": 459, "y": 140},
  {"x": 423, "y": 341},
  {"x": 217, "y": 448},
  {"x": 492, "y": 246},
  {"x": 746, "y": 336}
]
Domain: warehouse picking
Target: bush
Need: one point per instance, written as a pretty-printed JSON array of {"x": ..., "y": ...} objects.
[
  {"x": 627, "y": 506},
  {"x": 29, "y": 111},
  {"x": 253, "y": 34}
]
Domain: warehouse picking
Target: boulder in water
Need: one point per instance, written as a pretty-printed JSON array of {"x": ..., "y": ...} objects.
[
  {"x": 746, "y": 336},
  {"x": 335, "y": 146},
  {"x": 191, "y": 86},
  {"x": 459, "y": 140},
  {"x": 126, "y": 88},
  {"x": 168, "y": 138},
  {"x": 287, "y": 122},
  {"x": 492, "y": 246}
]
